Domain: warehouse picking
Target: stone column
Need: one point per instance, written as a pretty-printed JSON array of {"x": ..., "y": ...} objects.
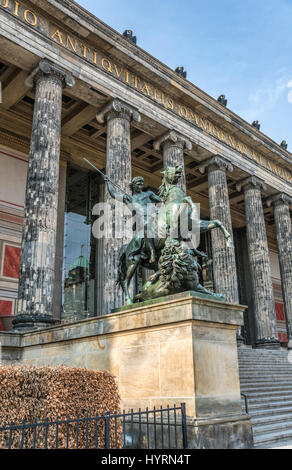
[
  {"x": 38, "y": 250},
  {"x": 224, "y": 265},
  {"x": 258, "y": 252},
  {"x": 118, "y": 116},
  {"x": 173, "y": 145},
  {"x": 281, "y": 204}
]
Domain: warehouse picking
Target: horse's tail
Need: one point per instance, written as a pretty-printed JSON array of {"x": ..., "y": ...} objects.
[{"x": 122, "y": 267}]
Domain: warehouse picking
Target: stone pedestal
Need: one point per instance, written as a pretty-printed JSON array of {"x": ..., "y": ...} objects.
[{"x": 168, "y": 351}]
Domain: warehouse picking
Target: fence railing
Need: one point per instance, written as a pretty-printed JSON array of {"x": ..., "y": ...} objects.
[
  {"x": 158, "y": 428},
  {"x": 244, "y": 396}
]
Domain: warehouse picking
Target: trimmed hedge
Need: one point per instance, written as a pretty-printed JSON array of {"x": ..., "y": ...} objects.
[{"x": 29, "y": 393}]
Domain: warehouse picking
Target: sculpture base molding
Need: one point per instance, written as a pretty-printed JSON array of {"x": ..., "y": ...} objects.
[
  {"x": 25, "y": 322},
  {"x": 268, "y": 344},
  {"x": 180, "y": 349}
]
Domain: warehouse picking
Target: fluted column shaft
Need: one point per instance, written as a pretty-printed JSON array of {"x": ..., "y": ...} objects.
[
  {"x": 258, "y": 252},
  {"x": 118, "y": 116},
  {"x": 224, "y": 264},
  {"x": 283, "y": 225},
  {"x": 37, "y": 265},
  {"x": 174, "y": 145}
]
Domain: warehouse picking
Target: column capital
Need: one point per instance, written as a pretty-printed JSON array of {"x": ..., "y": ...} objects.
[
  {"x": 118, "y": 107},
  {"x": 172, "y": 138},
  {"x": 216, "y": 163},
  {"x": 45, "y": 68},
  {"x": 279, "y": 199},
  {"x": 251, "y": 182}
]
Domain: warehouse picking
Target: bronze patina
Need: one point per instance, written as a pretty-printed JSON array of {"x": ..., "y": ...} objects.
[{"x": 164, "y": 245}]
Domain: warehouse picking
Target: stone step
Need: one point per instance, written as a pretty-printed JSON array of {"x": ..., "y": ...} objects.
[
  {"x": 266, "y": 379},
  {"x": 264, "y": 359},
  {"x": 264, "y": 387},
  {"x": 271, "y": 418},
  {"x": 285, "y": 378},
  {"x": 271, "y": 354},
  {"x": 251, "y": 384},
  {"x": 265, "y": 373},
  {"x": 264, "y": 355},
  {"x": 285, "y": 363},
  {"x": 262, "y": 372},
  {"x": 266, "y": 394},
  {"x": 282, "y": 358},
  {"x": 272, "y": 392},
  {"x": 267, "y": 364},
  {"x": 268, "y": 439},
  {"x": 254, "y": 358},
  {"x": 260, "y": 430},
  {"x": 262, "y": 351},
  {"x": 282, "y": 444},
  {"x": 270, "y": 366},
  {"x": 287, "y": 368},
  {"x": 268, "y": 405}
]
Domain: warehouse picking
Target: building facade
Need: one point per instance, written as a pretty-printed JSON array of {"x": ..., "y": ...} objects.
[{"x": 72, "y": 88}]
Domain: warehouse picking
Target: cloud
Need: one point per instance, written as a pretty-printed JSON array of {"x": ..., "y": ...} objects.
[
  {"x": 266, "y": 97},
  {"x": 290, "y": 92}
]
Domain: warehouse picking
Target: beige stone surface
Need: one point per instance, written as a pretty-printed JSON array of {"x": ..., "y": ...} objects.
[
  {"x": 216, "y": 367},
  {"x": 177, "y": 368},
  {"x": 181, "y": 350},
  {"x": 139, "y": 372}
]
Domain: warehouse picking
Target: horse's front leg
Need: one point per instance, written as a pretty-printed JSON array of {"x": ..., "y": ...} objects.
[
  {"x": 226, "y": 234},
  {"x": 212, "y": 224},
  {"x": 130, "y": 273}
]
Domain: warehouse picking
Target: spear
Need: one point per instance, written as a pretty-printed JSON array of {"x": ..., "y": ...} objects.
[{"x": 106, "y": 178}]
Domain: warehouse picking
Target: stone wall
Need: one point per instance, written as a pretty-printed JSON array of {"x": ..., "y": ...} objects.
[{"x": 164, "y": 352}]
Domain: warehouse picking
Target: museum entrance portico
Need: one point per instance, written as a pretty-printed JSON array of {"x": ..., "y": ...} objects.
[{"x": 131, "y": 118}]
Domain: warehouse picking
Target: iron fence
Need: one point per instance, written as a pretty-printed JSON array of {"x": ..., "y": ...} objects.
[{"x": 158, "y": 428}]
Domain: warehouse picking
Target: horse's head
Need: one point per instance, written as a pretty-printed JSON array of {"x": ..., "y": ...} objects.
[{"x": 171, "y": 176}]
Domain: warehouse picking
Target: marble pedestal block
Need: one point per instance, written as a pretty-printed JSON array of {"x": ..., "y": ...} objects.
[{"x": 163, "y": 352}]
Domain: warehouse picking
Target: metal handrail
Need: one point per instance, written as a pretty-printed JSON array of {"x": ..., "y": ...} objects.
[{"x": 246, "y": 402}]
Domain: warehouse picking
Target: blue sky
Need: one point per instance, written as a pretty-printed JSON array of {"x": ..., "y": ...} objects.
[{"x": 241, "y": 48}]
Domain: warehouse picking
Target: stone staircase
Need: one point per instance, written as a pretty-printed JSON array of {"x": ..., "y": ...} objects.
[{"x": 266, "y": 379}]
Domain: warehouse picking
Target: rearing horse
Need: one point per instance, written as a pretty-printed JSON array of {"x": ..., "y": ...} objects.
[{"x": 177, "y": 210}]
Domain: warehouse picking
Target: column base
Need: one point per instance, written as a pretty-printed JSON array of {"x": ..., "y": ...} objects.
[
  {"x": 239, "y": 337},
  {"x": 26, "y": 322},
  {"x": 226, "y": 432},
  {"x": 271, "y": 343}
]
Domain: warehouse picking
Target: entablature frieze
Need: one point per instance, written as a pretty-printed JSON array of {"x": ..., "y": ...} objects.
[{"x": 118, "y": 80}]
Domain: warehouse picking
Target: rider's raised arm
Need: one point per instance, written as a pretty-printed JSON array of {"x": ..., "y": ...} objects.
[
  {"x": 154, "y": 197},
  {"x": 121, "y": 197}
]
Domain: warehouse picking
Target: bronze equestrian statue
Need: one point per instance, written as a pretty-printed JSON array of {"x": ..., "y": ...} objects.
[{"x": 163, "y": 246}]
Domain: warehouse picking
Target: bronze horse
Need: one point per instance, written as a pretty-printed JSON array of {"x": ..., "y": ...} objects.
[{"x": 162, "y": 227}]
